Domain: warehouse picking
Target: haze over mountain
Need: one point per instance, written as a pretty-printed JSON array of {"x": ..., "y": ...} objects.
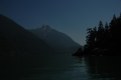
[
  {"x": 15, "y": 39},
  {"x": 58, "y": 40},
  {"x": 20, "y": 49}
]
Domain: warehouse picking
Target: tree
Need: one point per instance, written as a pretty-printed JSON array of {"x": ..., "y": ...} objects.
[
  {"x": 105, "y": 39},
  {"x": 106, "y": 27},
  {"x": 91, "y": 37}
]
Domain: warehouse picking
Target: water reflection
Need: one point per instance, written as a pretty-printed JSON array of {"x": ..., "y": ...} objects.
[
  {"x": 104, "y": 68},
  {"x": 66, "y": 67}
]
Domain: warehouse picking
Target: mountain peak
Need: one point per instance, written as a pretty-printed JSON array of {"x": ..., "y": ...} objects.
[{"x": 46, "y": 27}]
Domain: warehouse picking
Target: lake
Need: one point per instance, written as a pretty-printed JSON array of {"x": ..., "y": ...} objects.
[
  {"x": 61, "y": 67},
  {"x": 67, "y": 67}
]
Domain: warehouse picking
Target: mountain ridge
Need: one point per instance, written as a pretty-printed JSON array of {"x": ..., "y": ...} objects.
[
  {"x": 20, "y": 38},
  {"x": 55, "y": 38}
]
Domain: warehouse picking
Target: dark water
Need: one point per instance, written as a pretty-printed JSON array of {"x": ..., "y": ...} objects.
[
  {"x": 67, "y": 67},
  {"x": 104, "y": 68},
  {"x": 63, "y": 67}
]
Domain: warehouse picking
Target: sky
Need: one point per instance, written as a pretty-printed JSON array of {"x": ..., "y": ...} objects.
[{"x": 71, "y": 17}]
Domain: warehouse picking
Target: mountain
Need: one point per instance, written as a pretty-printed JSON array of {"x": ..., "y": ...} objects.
[
  {"x": 19, "y": 49},
  {"x": 14, "y": 38},
  {"x": 58, "y": 40}
]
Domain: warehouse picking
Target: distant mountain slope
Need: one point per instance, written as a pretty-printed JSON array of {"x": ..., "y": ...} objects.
[
  {"x": 56, "y": 39},
  {"x": 20, "y": 50},
  {"x": 15, "y": 39}
]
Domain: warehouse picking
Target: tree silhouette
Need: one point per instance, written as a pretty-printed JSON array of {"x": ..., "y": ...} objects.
[{"x": 104, "y": 39}]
